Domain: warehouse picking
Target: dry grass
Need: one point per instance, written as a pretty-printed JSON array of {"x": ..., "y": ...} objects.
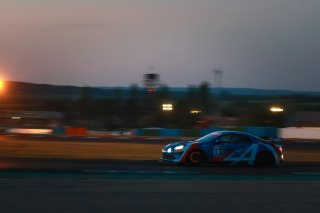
[
  {"x": 92, "y": 150},
  {"x": 80, "y": 150},
  {"x": 305, "y": 156}
]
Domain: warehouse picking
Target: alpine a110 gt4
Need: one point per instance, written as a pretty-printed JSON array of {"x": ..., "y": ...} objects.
[{"x": 231, "y": 147}]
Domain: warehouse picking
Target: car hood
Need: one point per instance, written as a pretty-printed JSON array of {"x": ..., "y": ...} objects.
[{"x": 174, "y": 144}]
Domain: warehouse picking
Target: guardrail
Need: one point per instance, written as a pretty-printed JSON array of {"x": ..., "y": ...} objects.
[
  {"x": 258, "y": 131},
  {"x": 287, "y": 133}
]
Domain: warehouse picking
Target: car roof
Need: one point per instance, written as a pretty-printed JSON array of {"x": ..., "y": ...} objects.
[
  {"x": 230, "y": 132},
  {"x": 224, "y": 132}
]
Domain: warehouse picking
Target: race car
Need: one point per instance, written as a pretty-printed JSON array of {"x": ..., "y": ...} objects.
[{"x": 231, "y": 147}]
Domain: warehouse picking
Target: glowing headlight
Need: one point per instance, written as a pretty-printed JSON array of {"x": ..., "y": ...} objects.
[{"x": 179, "y": 148}]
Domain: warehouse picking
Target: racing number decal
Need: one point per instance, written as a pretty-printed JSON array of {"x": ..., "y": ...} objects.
[
  {"x": 248, "y": 155},
  {"x": 219, "y": 151}
]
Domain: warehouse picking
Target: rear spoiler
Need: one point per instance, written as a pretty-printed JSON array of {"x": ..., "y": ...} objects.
[{"x": 272, "y": 140}]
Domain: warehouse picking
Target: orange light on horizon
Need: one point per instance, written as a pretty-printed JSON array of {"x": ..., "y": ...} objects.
[{"x": 2, "y": 84}]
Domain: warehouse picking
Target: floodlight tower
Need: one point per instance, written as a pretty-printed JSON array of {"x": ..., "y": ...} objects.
[
  {"x": 151, "y": 83},
  {"x": 151, "y": 80}
]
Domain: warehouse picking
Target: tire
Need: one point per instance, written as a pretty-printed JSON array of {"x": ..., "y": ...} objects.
[
  {"x": 195, "y": 158},
  {"x": 264, "y": 159}
]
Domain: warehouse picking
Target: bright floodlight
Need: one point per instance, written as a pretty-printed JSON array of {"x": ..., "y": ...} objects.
[
  {"x": 195, "y": 111},
  {"x": 167, "y": 107},
  {"x": 276, "y": 109}
]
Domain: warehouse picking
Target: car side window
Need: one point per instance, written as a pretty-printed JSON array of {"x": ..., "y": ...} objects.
[
  {"x": 240, "y": 139},
  {"x": 234, "y": 139},
  {"x": 225, "y": 138}
]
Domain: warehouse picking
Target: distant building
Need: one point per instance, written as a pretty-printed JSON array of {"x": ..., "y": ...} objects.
[{"x": 304, "y": 119}]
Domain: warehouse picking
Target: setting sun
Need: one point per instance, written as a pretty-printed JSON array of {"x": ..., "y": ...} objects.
[{"x": 1, "y": 84}]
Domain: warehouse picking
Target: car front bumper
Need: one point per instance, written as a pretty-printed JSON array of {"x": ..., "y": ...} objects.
[{"x": 171, "y": 157}]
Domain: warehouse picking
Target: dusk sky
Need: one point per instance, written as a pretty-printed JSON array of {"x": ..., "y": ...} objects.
[{"x": 268, "y": 44}]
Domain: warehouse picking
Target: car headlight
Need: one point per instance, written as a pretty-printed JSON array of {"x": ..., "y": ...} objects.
[
  {"x": 165, "y": 149},
  {"x": 178, "y": 149}
]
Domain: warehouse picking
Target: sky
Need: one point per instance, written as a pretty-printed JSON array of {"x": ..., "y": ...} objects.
[{"x": 272, "y": 44}]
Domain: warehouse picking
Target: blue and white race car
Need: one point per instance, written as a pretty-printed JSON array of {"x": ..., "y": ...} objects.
[{"x": 231, "y": 147}]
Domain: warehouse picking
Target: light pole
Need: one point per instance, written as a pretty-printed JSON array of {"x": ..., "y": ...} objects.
[
  {"x": 217, "y": 85},
  {"x": 277, "y": 115},
  {"x": 167, "y": 109},
  {"x": 217, "y": 78}
]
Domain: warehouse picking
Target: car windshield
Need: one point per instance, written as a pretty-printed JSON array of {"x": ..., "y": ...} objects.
[{"x": 208, "y": 138}]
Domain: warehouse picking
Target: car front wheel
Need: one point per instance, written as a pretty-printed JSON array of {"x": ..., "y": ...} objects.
[{"x": 195, "y": 158}]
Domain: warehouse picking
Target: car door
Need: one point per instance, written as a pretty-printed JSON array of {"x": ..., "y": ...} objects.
[
  {"x": 220, "y": 147},
  {"x": 232, "y": 147},
  {"x": 241, "y": 148}
]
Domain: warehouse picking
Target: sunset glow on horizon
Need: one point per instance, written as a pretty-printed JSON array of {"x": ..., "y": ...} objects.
[
  {"x": 256, "y": 44},
  {"x": 1, "y": 84}
]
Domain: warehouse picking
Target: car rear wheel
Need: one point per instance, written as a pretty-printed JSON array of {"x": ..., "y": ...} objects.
[
  {"x": 195, "y": 158},
  {"x": 264, "y": 159}
]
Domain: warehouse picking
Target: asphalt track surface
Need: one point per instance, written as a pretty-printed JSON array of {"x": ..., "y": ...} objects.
[{"x": 62, "y": 185}]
